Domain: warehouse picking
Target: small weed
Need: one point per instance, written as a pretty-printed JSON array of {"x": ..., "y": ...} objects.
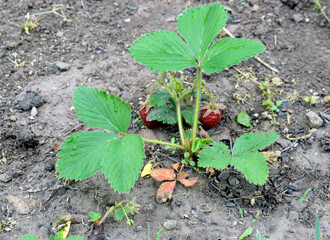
[
  {"x": 321, "y": 8},
  {"x": 159, "y": 232},
  {"x": 311, "y": 100},
  {"x": 305, "y": 194},
  {"x": 32, "y": 20},
  {"x": 7, "y": 224},
  {"x": 120, "y": 210}
]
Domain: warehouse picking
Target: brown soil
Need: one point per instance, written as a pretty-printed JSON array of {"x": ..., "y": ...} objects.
[{"x": 95, "y": 43}]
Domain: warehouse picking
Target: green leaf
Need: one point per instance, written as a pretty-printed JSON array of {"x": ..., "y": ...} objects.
[
  {"x": 119, "y": 158},
  {"x": 188, "y": 115},
  {"x": 94, "y": 216},
  {"x": 196, "y": 144},
  {"x": 266, "y": 102},
  {"x": 120, "y": 213},
  {"x": 244, "y": 119},
  {"x": 59, "y": 235},
  {"x": 200, "y": 25},
  {"x": 82, "y": 154},
  {"x": 28, "y": 237},
  {"x": 228, "y": 52},
  {"x": 253, "y": 165},
  {"x": 97, "y": 109},
  {"x": 123, "y": 161},
  {"x": 246, "y": 233},
  {"x": 159, "y": 98},
  {"x": 161, "y": 51},
  {"x": 253, "y": 141},
  {"x": 163, "y": 114},
  {"x": 217, "y": 156}
]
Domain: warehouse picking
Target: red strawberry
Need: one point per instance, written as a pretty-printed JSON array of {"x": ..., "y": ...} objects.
[
  {"x": 210, "y": 116},
  {"x": 144, "y": 110}
]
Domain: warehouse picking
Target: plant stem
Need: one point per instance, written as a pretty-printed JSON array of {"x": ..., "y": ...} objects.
[
  {"x": 210, "y": 96},
  {"x": 188, "y": 91},
  {"x": 198, "y": 95},
  {"x": 164, "y": 143},
  {"x": 178, "y": 112},
  {"x": 111, "y": 210},
  {"x": 317, "y": 2},
  {"x": 153, "y": 89}
]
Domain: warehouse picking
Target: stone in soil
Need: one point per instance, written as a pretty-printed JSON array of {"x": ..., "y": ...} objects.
[
  {"x": 169, "y": 224},
  {"x": 294, "y": 186},
  {"x": 284, "y": 142},
  {"x": 313, "y": 120},
  {"x": 31, "y": 99},
  {"x": 63, "y": 66},
  {"x": 223, "y": 176},
  {"x": 5, "y": 178}
]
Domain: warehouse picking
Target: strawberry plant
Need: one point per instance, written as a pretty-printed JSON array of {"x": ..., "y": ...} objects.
[{"x": 118, "y": 154}]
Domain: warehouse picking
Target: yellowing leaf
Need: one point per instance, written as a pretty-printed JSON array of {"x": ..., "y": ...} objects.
[
  {"x": 147, "y": 169},
  {"x": 165, "y": 191},
  {"x": 62, "y": 226},
  {"x": 163, "y": 174},
  {"x": 272, "y": 156}
]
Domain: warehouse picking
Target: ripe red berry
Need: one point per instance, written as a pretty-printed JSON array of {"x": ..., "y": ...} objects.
[
  {"x": 144, "y": 110},
  {"x": 210, "y": 116},
  {"x": 210, "y": 120}
]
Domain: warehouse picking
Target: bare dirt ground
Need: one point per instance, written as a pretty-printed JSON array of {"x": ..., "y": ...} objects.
[{"x": 95, "y": 45}]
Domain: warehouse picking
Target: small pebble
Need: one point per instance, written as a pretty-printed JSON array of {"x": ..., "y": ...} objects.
[
  {"x": 223, "y": 176},
  {"x": 253, "y": 201},
  {"x": 169, "y": 224},
  {"x": 63, "y": 66},
  {"x": 138, "y": 229},
  {"x": 313, "y": 120},
  {"x": 5, "y": 178},
  {"x": 13, "y": 118},
  {"x": 294, "y": 186}
]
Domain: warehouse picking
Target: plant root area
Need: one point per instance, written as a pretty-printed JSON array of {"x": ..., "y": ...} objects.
[{"x": 39, "y": 72}]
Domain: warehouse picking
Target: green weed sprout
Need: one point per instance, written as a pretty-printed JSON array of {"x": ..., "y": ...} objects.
[
  {"x": 321, "y": 9},
  {"x": 120, "y": 210},
  {"x": 118, "y": 154}
]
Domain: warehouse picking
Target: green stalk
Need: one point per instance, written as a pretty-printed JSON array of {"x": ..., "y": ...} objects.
[
  {"x": 187, "y": 91},
  {"x": 111, "y": 210},
  {"x": 153, "y": 89},
  {"x": 198, "y": 95},
  {"x": 178, "y": 112},
  {"x": 164, "y": 143},
  {"x": 210, "y": 96}
]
